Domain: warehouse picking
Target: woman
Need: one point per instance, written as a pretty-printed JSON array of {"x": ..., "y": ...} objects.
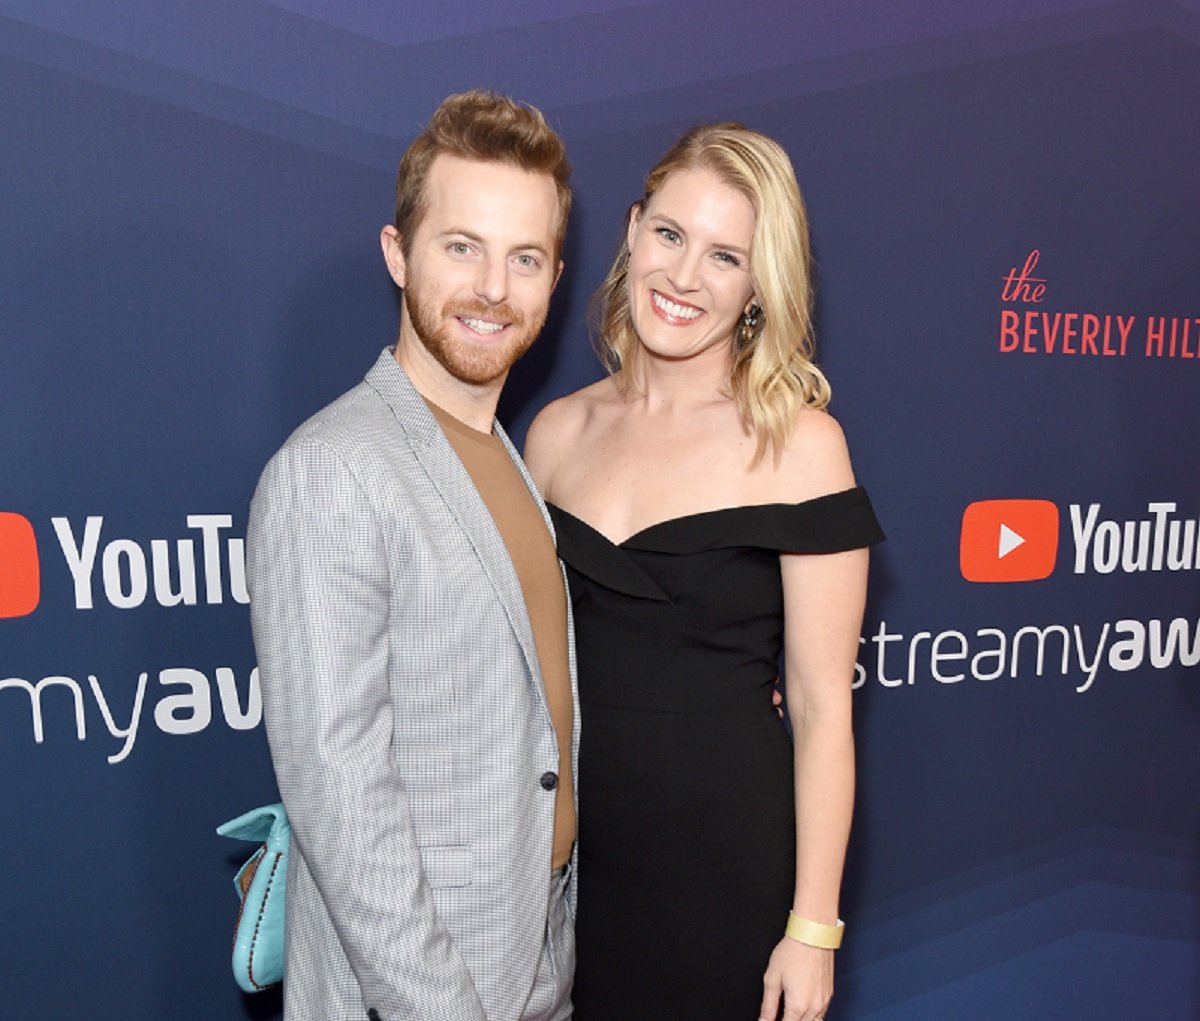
[{"x": 708, "y": 517}]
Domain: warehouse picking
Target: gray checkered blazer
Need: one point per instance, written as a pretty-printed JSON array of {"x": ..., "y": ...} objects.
[{"x": 406, "y": 716}]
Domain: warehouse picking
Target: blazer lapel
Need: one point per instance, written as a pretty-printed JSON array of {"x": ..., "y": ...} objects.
[{"x": 448, "y": 476}]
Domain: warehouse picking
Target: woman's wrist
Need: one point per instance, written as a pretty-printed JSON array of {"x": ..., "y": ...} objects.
[{"x": 814, "y": 934}]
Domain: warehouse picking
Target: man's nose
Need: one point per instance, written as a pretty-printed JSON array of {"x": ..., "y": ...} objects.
[{"x": 492, "y": 283}]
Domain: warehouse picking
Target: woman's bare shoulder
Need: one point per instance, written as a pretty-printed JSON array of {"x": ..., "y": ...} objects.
[
  {"x": 556, "y": 429},
  {"x": 816, "y": 459},
  {"x": 569, "y": 414}
]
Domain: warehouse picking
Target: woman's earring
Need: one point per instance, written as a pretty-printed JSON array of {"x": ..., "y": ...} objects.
[{"x": 751, "y": 326}]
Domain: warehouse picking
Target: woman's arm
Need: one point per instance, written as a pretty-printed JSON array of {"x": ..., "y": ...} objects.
[{"x": 824, "y": 596}]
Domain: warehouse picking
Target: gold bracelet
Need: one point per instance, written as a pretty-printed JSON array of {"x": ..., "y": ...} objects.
[{"x": 814, "y": 934}]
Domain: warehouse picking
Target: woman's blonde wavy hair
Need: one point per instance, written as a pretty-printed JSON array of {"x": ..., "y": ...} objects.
[{"x": 773, "y": 373}]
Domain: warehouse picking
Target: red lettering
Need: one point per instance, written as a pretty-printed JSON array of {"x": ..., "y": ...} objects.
[
  {"x": 1008, "y": 291},
  {"x": 1086, "y": 333},
  {"x": 1069, "y": 333},
  {"x": 1051, "y": 332},
  {"x": 1124, "y": 326},
  {"x": 1155, "y": 327},
  {"x": 1108, "y": 321},
  {"x": 1091, "y": 330},
  {"x": 1024, "y": 286},
  {"x": 1009, "y": 338},
  {"x": 1185, "y": 351},
  {"x": 1030, "y": 332}
]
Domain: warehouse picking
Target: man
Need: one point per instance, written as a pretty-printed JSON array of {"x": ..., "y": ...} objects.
[{"x": 411, "y": 623}]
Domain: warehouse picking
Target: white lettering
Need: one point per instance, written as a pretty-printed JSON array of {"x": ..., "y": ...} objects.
[
  {"x": 1146, "y": 544},
  {"x": 1042, "y": 634},
  {"x": 172, "y": 571},
  {"x": 991, "y": 653},
  {"x": 237, "y": 571},
  {"x": 1106, "y": 548},
  {"x": 1160, "y": 512},
  {"x": 1089, "y": 668},
  {"x": 936, "y": 655},
  {"x": 1164, "y": 653},
  {"x": 160, "y": 557},
  {"x": 136, "y": 568},
  {"x": 1082, "y": 531},
  {"x": 35, "y": 701},
  {"x": 999, "y": 652},
  {"x": 135, "y": 717},
  {"x": 1135, "y": 556},
  {"x": 210, "y": 526},
  {"x": 1181, "y": 548},
  {"x": 912, "y": 653},
  {"x": 1128, "y": 653},
  {"x": 81, "y": 560},
  {"x": 187, "y": 713},
  {"x": 881, "y": 639},
  {"x": 227, "y": 688}
]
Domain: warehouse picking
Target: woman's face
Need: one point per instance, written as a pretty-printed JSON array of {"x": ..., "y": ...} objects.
[{"x": 689, "y": 265}]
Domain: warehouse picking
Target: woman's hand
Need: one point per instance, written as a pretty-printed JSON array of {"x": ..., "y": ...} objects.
[{"x": 804, "y": 977}]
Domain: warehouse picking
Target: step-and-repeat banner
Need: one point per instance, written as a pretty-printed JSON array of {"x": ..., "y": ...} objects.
[{"x": 1006, "y": 211}]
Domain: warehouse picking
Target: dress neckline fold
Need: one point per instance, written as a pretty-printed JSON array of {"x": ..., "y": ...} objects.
[{"x": 721, "y": 520}]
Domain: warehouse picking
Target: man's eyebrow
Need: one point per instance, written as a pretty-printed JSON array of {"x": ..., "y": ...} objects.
[{"x": 461, "y": 232}]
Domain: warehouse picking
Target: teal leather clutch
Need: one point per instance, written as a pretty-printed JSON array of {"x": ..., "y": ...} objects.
[{"x": 261, "y": 885}]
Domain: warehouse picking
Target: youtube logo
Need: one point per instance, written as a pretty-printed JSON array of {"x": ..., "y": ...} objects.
[
  {"x": 20, "y": 575},
  {"x": 1008, "y": 540}
]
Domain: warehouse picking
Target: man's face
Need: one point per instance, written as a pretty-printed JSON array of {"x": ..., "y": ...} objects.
[{"x": 480, "y": 267}]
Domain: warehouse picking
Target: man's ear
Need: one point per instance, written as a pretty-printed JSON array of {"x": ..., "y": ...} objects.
[
  {"x": 557, "y": 276},
  {"x": 393, "y": 254}
]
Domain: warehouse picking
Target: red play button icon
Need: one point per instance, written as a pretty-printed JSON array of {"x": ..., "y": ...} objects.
[
  {"x": 1008, "y": 540},
  {"x": 20, "y": 574}
]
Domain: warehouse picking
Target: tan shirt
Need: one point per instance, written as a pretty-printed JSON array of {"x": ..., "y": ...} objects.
[{"x": 524, "y": 531}]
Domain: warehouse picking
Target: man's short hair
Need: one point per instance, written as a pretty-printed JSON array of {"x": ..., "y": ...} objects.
[{"x": 490, "y": 128}]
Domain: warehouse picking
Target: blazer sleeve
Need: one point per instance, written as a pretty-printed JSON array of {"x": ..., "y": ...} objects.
[{"x": 320, "y": 612}]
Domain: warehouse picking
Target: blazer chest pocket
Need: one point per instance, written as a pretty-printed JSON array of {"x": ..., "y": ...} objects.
[{"x": 447, "y": 865}]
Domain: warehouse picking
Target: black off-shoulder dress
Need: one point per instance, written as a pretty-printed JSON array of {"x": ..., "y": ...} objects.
[{"x": 686, "y": 815}]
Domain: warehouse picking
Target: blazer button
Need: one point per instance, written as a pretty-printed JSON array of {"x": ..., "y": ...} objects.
[{"x": 549, "y": 781}]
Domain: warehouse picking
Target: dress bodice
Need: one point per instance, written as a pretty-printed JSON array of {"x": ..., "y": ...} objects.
[{"x": 699, "y": 597}]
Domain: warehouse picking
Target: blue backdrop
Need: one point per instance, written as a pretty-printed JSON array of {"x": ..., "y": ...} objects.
[{"x": 1004, "y": 206}]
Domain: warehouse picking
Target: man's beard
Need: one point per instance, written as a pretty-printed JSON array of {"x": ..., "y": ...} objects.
[{"x": 476, "y": 364}]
